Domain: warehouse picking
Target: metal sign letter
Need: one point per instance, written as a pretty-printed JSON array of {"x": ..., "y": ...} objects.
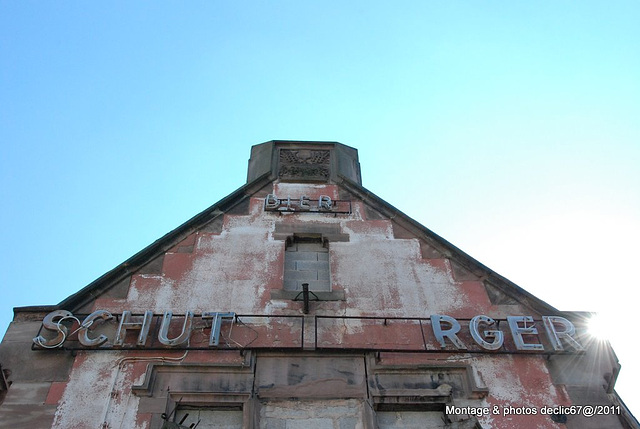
[
  {"x": 126, "y": 323},
  {"x": 94, "y": 318},
  {"x": 517, "y": 332},
  {"x": 498, "y": 336},
  {"x": 436, "y": 320},
  {"x": 567, "y": 332},
  {"x": 184, "y": 335}
]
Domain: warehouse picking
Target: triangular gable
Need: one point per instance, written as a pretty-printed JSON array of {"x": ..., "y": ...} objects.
[{"x": 115, "y": 283}]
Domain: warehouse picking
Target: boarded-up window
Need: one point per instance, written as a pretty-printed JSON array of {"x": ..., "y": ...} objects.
[{"x": 306, "y": 260}]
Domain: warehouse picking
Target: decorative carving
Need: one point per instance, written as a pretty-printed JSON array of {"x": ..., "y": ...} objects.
[{"x": 304, "y": 164}]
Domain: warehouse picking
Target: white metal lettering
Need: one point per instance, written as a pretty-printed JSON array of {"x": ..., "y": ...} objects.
[
  {"x": 483, "y": 329},
  {"x": 454, "y": 328},
  {"x": 216, "y": 324},
  {"x": 271, "y": 202},
  {"x": 93, "y": 319},
  {"x": 567, "y": 332},
  {"x": 324, "y": 202},
  {"x": 518, "y": 331},
  {"x": 126, "y": 323},
  {"x": 53, "y": 322},
  {"x": 498, "y": 336},
  {"x": 184, "y": 335}
]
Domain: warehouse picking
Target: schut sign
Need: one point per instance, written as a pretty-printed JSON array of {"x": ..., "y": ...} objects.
[{"x": 103, "y": 330}]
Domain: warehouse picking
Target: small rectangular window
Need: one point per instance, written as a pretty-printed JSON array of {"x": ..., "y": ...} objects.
[{"x": 306, "y": 260}]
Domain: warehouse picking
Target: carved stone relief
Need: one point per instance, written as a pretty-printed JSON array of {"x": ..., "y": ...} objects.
[{"x": 304, "y": 164}]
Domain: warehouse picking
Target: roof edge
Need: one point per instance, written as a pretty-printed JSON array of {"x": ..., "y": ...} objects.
[
  {"x": 132, "y": 264},
  {"x": 104, "y": 282},
  {"x": 460, "y": 256}
]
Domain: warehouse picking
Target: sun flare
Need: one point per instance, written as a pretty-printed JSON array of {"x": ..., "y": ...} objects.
[{"x": 598, "y": 327}]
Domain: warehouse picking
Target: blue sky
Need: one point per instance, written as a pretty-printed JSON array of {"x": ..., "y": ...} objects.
[{"x": 509, "y": 128}]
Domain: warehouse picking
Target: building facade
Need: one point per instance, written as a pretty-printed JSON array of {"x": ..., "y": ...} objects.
[{"x": 304, "y": 300}]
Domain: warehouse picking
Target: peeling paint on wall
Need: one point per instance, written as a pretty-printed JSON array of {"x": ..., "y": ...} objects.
[
  {"x": 234, "y": 262},
  {"x": 97, "y": 392}
]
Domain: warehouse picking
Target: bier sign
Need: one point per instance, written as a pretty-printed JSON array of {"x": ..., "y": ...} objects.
[{"x": 304, "y": 204}]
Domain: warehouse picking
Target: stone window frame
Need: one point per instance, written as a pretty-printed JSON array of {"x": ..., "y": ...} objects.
[
  {"x": 421, "y": 399},
  {"x": 207, "y": 401},
  {"x": 159, "y": 399},
  {"x": 308, "y": 241},
  {"x": 328, "y": 233}
]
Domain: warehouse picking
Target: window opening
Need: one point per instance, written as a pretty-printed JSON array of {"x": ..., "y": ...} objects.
[
  {"x": 193, "y": 417},
  {"x": 306, "y": 260}
]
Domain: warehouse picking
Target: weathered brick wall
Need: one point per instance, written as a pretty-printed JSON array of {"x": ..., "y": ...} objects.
[
  {"x": 37, "y": 378},
  {"x": 234, "y": 264}
]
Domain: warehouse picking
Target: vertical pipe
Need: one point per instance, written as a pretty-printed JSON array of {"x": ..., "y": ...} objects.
[{"x": 305, "y": 297}]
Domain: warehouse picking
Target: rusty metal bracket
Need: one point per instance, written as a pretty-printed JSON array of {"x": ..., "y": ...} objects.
[{"x": 305, "y": 297}]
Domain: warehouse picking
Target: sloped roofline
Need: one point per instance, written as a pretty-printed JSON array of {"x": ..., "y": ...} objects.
[
  {"x": 96, "y": 288},
  {"x": 459, "y": 256},
  {"x": 105, "y": 282}
]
